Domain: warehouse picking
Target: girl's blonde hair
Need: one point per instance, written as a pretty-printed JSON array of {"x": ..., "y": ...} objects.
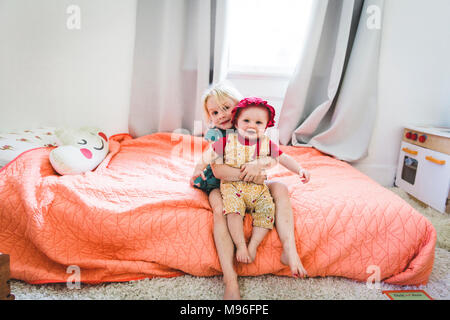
[{"x": 220, "y": 91}]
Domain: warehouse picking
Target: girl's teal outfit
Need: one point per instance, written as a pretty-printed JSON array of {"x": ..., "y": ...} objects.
[{"x": 211, "y": 182}]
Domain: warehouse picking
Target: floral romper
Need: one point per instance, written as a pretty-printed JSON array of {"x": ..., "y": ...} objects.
[{"x": 239, "y": 196}]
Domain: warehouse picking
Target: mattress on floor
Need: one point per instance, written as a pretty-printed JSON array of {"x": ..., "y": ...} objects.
[{"x": 136, "y": 216}]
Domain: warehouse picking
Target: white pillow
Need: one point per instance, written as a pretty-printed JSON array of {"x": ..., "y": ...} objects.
[
  {"x": 79, "y": 151},
  {"x": 12, "y": 144}
]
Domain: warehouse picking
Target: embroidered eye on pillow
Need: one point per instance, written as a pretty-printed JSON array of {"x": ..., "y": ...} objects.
[{"x": 79, "y": 150}]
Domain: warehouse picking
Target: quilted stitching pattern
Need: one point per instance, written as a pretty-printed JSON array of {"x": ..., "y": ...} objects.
[{"x": 136, "y": 216}]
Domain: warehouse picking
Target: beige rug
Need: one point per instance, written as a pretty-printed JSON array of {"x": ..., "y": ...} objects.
[{"x": 256, "y": 288}]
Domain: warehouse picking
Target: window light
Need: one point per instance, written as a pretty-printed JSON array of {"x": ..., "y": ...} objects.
[{"x": 266, "y": 36}]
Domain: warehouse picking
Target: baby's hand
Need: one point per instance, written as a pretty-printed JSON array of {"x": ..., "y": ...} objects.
[{"x": 304, "y": 175}]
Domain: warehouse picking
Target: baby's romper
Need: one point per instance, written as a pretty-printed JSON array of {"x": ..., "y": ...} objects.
[
  {"x": 240, "y": 195},
  {"x": 211, "y": 182}
]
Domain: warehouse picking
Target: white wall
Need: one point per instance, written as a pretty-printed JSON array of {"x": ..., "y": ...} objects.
[
  {"x": 54, "y": 76},
  {"x": 414, "y": 79}
]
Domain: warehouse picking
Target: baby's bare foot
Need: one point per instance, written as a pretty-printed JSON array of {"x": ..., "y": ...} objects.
[
  {"x": 252, "y": 249},
  {"x": 242, "y": 254},
  {"x": 290, "y": 258}
]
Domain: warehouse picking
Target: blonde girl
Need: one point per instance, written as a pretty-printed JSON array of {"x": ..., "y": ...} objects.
[{"x": 218, "y": 102}]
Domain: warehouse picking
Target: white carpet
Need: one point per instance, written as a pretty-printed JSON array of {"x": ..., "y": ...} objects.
[{"x": 256, "y": 288}]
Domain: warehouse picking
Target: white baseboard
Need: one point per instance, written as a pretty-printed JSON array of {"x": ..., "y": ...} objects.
[{"x": 383, "y": 174}]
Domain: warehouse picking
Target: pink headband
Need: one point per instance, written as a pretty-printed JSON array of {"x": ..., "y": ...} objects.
[{"x": 252, "y": 102}]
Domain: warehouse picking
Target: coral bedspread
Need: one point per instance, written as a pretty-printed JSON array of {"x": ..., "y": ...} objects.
[{"x": 136, "y": 216}]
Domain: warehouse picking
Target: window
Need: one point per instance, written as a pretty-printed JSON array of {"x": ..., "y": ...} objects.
[{"x": 266, "y": 36}]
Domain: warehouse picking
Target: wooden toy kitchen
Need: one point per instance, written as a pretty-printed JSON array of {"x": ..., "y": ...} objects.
[{"x": 423, "y": 169}]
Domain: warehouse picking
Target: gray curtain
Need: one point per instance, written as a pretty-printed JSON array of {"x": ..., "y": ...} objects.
[
  {"x": 331, "y": 100},
  {"x": 176, "y": 43}
]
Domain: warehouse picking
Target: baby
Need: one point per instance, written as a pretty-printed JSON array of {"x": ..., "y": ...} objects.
[{"x": 250, "y": 117}]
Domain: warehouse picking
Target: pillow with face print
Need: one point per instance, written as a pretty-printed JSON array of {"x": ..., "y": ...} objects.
[{"x": 79, "y": 151}]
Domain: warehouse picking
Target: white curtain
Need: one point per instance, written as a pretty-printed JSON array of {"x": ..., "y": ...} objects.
[
  {"x": 219, "y": 55},
  {"x": 174, "y": 57},
  {"x": 331, "y": 100}
]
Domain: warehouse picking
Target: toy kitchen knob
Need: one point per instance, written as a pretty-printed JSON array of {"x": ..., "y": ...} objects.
[
  {"x": 414, "y": 136},
  {"x": 422, "y": 138},
  {"x": 408, "y": 135}
]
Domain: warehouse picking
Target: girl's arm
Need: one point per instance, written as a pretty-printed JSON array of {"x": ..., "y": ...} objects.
[
  {"x": 227, "y": 173},
  {"x": 253, "y": 171},
  {"x": 266, "y": 162}
]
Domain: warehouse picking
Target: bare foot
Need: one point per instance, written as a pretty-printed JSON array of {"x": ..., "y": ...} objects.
[
  {"x": 252, "y": 249},
  {"x": 232, "y": 291},
  {"x": 242, "y": 254},
  {"x": 290, "y": 258}
]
